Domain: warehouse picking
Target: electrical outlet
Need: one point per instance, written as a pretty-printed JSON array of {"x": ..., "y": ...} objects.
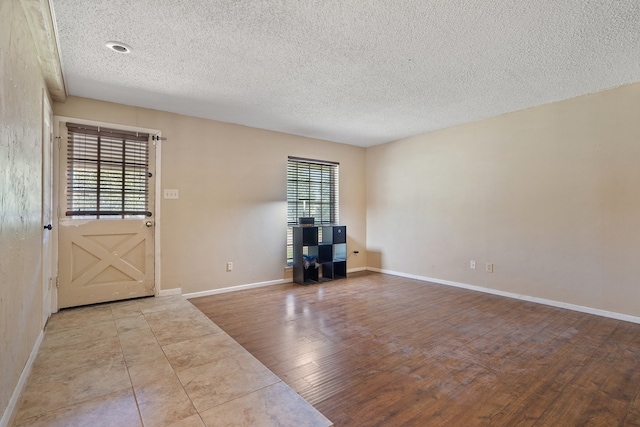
[
  {"x": 229, "y": 266},
  {"x": 171, "y": 194},
  {"x": 489, "y": 267},
  {"x": 472, "y": 265}
]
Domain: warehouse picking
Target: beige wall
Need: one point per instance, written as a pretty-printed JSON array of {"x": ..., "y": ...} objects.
[
  {"x": 232, "y": 183},
  {"x": 21, "y": 89},
  {"x": 550, "y": 195}
]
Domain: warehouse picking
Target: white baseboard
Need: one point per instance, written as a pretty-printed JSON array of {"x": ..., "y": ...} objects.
[
  {"x": 559, "y": 304},
  {"x": 236, "y": 288},
  {"x": 7, "y": 417},
  {"x": 250, "y": 286},
  {"x": 167, "y": 292}
]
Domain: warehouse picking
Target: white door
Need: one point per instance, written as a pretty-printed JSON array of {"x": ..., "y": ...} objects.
[
  {"x": 106, "y": 246},
  {"x": 47, "y": 209}
]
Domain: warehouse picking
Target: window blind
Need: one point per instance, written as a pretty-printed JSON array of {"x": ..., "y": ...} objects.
[
  {"x": 107, "y": 172},
  {"x": 312, "y": 191}
]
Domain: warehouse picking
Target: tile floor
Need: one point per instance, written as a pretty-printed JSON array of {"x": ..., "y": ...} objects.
[{"x": 152, "y": 362}]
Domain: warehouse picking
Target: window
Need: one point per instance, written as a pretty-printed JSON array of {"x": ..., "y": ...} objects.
[
  {"x": 312, "y": 191},
  {"x": 107, "y": 173}
]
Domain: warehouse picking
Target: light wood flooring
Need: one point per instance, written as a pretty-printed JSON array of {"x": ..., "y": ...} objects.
[{"x": 379, "y": 350}]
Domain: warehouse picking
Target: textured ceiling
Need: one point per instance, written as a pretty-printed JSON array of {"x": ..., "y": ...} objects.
[{"x": 360, "y": 72}]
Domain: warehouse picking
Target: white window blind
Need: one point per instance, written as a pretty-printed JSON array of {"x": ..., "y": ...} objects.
[
  {"x": 312, "y": 191},
  {"x": 107, "y": 172}
]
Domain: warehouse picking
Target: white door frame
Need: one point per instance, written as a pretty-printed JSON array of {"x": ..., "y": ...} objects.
[
  {"x": 49, "y": 238},
  {"x": 158, "y": 185}
]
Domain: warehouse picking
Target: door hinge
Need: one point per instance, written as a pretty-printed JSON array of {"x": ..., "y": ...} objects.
[
  {"x": 58, "y": 211},
  {"x": 58, "y": 282},
  {"x": 59, "y": 142}
]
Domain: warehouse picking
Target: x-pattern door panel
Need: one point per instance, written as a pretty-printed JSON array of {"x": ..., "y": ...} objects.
[{"x": 105, "y": 260}]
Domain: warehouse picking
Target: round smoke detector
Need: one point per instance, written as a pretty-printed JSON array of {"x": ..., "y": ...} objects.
[{"x": 119, "y": 47}]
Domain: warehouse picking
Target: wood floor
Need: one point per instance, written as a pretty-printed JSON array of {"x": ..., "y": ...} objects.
[{"x": 379, "y": 350}]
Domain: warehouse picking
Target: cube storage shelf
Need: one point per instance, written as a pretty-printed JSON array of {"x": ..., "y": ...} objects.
[{"x": 319, "y": 253}]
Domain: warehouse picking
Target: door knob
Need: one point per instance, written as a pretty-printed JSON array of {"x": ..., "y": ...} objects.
[
  {"x": 148, "y": 223},
  {"x": 48, "y": 227}
]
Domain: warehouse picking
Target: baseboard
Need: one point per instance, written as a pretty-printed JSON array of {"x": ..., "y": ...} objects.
[
  {"x": 236, "y": 288},
  {"x": 9, "y": 412},
  {"x": 251, "y": 286},
  {"x": 167, "y": 292},
  {"x": 559, "y": 304}
]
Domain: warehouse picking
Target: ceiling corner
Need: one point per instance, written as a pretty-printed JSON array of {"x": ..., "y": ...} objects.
[{"x": 39, "y": 17}]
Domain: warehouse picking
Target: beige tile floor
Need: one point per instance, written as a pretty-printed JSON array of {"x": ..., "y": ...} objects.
[{"x": 152, "y": 362}]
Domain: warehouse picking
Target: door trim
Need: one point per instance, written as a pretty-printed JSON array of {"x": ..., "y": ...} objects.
[
  {"x": 158, "y": 178},
  {"x": 50, "y": 254}
]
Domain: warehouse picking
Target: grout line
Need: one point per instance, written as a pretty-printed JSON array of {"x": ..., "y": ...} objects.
[
  {"x": 172, "y": 369},
  {"x": 133, "y": 389}
]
